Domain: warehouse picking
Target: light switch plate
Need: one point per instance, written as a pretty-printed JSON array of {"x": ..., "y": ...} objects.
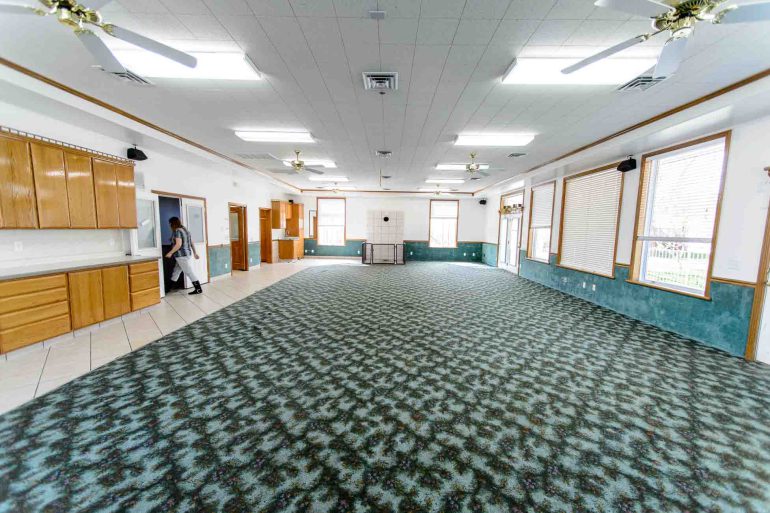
[{"x": 18, "y": 246}]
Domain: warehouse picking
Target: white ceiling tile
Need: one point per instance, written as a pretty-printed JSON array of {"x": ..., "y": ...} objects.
[
  {"x": 400, "y": 8},
  {"x": 486, "y": 9},
  {"x": 271, "y": 7},
  {"x": 357, "y": 31},
  {"x": 436, "y": 31},
  {"x": 324, "y": 38},
  {"x": 442, "y": 8},
  {"x": 529, "y": 9},
  {"x": 312, "y": 7},
  {"x": 354, "y": 8},
  {"x": 228, "y": 7},
  {"x": 461, "y": 62},
  {"x": 398, "y": 30},
  {"x": 514, "y": 32},
  {"x": 144, "y": 6},
  {"x": 204, "y": 26},
  {"x": 571, "y": 10},
  {"x": 186, "y": 6},
  {"x": 594, "y": 32},
  {"x": 475, "y": 32},
  {"x": 554, "y": 32},
  {"x": 165, "y": 27}
]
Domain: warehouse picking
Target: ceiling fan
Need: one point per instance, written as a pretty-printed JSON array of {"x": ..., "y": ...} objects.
[
  {"x": 82, "y": 19},
  {"x": 474, "y": 169},
  {"x": 298, "y": 166},
  {"x": 679, "y": 21}
]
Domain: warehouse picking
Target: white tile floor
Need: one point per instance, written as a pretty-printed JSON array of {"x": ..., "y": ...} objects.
[{"x": 35, "y": 370}]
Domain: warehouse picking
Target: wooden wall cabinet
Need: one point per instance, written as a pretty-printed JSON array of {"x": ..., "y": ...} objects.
[
  {"x": 278, "y": 210},
  {"x": 80, "y": 191},
  {"x": 18, "y": 207},
  {"x": 86, "y": 298},
  {"x": 50, "y": 186},
  {"x": 126, "y": 195},
  {"x": 115, "y": 291},
  {"x": 106, "y": 191}
]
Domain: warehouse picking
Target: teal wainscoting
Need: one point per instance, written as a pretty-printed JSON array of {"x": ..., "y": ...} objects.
[
  {"x": 352, "y": 248},
  {"x": 255, "y": 252},
  {"x": 219, "y": 260},
  {"x": 489, "y": 253},
  {"x": 419, "y": 251},
  {"x": 722, "y": 322}
]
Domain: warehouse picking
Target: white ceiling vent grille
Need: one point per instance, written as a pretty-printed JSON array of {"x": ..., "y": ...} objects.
[
  {"x": 130, "y": 77},
  {"x": 381, "y": 80},
  {"x": 641, "y": 83}
]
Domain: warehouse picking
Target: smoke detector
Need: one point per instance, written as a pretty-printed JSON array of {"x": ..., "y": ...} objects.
[{"x": 380, "y": 81}]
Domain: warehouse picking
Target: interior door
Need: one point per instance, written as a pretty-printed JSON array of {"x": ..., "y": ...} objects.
[
  {"x": 514, "y": 225},
  {"x": 236, "y": 238},
  {"x": 194, "y": 218}
]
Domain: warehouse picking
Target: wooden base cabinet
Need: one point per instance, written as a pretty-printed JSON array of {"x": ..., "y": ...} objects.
[
  {"x": 86, "y": 298},
  {"x": 145, "y": 285},
  {"x": 115, "y": 291}
]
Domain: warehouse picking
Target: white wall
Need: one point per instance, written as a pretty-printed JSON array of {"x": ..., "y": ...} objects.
[{"x": 472, "y": 217}]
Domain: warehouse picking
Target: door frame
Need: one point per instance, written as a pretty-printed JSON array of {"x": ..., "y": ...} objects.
[
  {"x": 243, "y": 213},
  {"x": 521, "y": 191},
  {"x": 268, "y": 256},
  {"x": 205, "y": 221},
  {"x": 758, "y": 304}
]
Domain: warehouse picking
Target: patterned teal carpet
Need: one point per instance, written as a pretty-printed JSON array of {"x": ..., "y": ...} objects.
[{"x": 421, "y": 388}]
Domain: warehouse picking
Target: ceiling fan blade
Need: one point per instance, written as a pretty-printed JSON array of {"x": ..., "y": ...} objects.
[
  {"x": 151, "y": 45},
  {"x": 606, "y": 53},
  {"x": 101, "y": 53},
  {"x": 314, "y": 171},
  {"x": 646, "y": 8},
  {"x": 18, "y": 9},
  {"x": 759, "y": 11},
  {"x": 670, "y": 58}
]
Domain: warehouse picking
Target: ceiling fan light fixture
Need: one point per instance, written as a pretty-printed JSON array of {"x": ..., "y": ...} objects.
[
  {"x": 328, "y": 164},
  {"x": 211, "y": 65},
  {"x": 548, "y": 71},
  {"x": 275, "y": 136},
  {"x": 457, "y": 167},
  {"x": 509, "y": 139}
]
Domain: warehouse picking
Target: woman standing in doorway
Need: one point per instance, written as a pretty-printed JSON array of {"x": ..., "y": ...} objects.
[{"x": 183, "y": 251}]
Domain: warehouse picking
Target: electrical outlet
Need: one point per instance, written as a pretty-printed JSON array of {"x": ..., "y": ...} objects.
[
  {"x": 584, "y": 284},
  {"x": 306, "y": 252},
  {"x": 564, "y": 280},
  {"x": 473, "y": 254},
  {"x": 410, "y": 253},
  {"x": 18, "y": 246},
  {"x": 312, "y": 251},
  {"x": 593, "y": 287},
  {"x": 465, "y": 254},
  {"x": 359, "y": 251},
  {"x": 227, "y": 266}
]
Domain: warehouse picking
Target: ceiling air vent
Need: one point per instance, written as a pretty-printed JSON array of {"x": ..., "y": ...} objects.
[
  {"x": 381, "y": 81},
  {"x": 130, "y": 77},
  {"x": 641, "y": 83}
]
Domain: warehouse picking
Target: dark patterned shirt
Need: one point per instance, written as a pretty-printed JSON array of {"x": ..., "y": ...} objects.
[{"x": 184, "y": 250}]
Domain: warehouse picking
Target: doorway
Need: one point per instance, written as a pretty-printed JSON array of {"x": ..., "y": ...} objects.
[
  {"x": 191, "y": 210},
  {"x": 511, "y": 206},
  {"x": 265, "y": 235},
  {"x": 758, "y": 347},
  {"x": 239, "y": 246}
]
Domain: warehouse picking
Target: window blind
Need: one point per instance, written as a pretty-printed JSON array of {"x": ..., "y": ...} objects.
[
  {"x": 590, "y": 220},
  {"x": 331, "y": 221},
  {"x": 542, "y": 206}
]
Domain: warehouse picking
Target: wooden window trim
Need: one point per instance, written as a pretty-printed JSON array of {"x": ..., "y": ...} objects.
[
  {"x": 457, "y": 226},
  {"x": 614, "y": 165},
  {"x": 344, "y": 222},
  {"x": 633, "y": 271},
  {"x": 529, "y": 222}
]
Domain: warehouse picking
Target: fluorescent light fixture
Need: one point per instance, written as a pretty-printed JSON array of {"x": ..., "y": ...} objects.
[
  {"x": 274, "y": 136},
  {"x": 547, "y": 71},
  {"x": 314, "y": 163},
  {"x": 457, "y": 167},
  {"x": 211, "y": 65},
  {"x": 327, "y": 178},
  {"x": 510, "y": 139},
  {"x": 444, "y": 180}
]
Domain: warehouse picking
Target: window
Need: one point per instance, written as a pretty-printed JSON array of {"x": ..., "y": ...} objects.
[
  {"x": 443, "y": 223},
  {"x": 331, "y": 221},
  {"x": 540, "y": 218},
  {"x": 589, "y": 222},
  {"x": 678, "y": 204}
]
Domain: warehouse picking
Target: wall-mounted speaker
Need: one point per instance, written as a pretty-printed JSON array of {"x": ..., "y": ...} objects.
[
  {"x": 482, "y": 202},
  {"x": 627, "y": 165},
  {"x": 135, "y": 154}
]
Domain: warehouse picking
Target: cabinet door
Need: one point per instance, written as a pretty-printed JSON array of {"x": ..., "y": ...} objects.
[
  {"x": 80, "y": 191},
  {"x": 50, "y": 186},
  {"x": 126, "y": 196},
  {"x": 86, "y": 300},
  {"x": 17, "y": 189},
  {"x": 117, "y": 299},
  {"x": 106, "y": 189}
]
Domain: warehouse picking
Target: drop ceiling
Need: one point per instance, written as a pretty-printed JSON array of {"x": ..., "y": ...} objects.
[{"x": 450, "y": 56}]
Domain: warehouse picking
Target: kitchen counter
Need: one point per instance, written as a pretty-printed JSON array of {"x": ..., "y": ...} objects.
[{"x": 12, "y": 273}]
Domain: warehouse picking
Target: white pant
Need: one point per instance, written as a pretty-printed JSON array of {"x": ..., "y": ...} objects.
[{"x": 184, "y": 263}]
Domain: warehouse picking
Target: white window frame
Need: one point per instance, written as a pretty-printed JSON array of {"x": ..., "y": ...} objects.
[
  {"x": 430, "y": 223},
  {"x": 531, "y": 228},
  {"x": 319, "y": 218}
]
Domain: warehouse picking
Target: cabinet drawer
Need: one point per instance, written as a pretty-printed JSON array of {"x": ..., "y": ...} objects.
[
  {"x": 32, "y": 315},
  {"x": 143, "y": 267},
  {"x": 27, "y": 285},
  {"x": 144, "y": 281},
  {"x": 33, "y": 299},
  {"x": 14, "y": 338},
  {"x": 145, "y": 298}
]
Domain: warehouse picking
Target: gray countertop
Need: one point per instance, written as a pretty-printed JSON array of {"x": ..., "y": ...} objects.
[{"x": 27, "y": 271}]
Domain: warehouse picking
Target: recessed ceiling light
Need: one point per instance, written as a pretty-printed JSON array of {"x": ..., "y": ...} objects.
[
  {"x": 329, "y": 164},
  {"x": 275, "y": 136},
  {"x": 457, "y": 167},
  {"x": 327, "y": 178},
  {"x": 444, "y": 180},
  {"x": 548, "y": 71},
  {"x": 510, "y": 139},
  {"x": 211, "y": 65}
]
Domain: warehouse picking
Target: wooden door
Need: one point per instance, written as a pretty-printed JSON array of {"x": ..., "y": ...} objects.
[
  {"x": 106, "y": 189},
  {"x": 50, "y": 186},
  {"x": 115, "y": 291},
  {"x": 265, "y": 235},
  {"x": 80, "y": 191},
  {"x": 126, "y": 195},
  {"x": 86, "y": 298},
  {"x": 17, "y": 188},
  {"x": 238, "y": 238}
]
